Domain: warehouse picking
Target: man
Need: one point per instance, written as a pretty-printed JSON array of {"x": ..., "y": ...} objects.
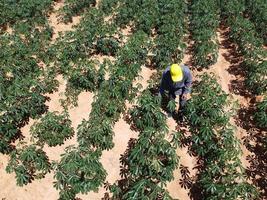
[{"x": 176, "y": 84}]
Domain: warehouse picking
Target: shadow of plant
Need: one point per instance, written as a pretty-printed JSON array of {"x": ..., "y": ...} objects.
[{"x": 255, "y": 141}]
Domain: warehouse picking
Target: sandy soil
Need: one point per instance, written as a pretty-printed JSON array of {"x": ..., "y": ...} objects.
[
  {"x": 43, "y": 189},
  {"x": 60, "y": 27}
]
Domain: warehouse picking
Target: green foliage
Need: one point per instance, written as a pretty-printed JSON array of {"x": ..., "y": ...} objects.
[
  {"x": 80, "y": 44},
  {"x": 256, "y": 9},
  {"x": 83, "y": 77},
  {"x": 72, "y": 8},
  {"x": 146, "y": 189},
  {"x": 107, "y": 46},
  {"x": 18, "y": 11},
  {"x": 148, "y": 113},
  {"x": 79, "y": 171},
  {"x": 249, "y": 44},
  {"x": 53, "y": 129},
  {"x": 143, "y": 15},
  {"x": 109, "y": 102},
  {"x": 256, "y": 76},
  {"x": 171, "y": 105},
  {"x": 169, "y": 44},
  {"x": 152, "y": 157},
  {"x": 23, "y": 87},
  {"x": 222, "y": 175},
  {"x": 108, "y": 6},
  {"x": 149, "y": 161},
  {"x": 261, "y": 114},
  {"x": 28, "y": 163},
  {"x": 203, "y": 24}
]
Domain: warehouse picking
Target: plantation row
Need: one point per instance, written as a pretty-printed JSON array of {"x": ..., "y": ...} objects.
[
  {"x": 150, "y": 160},
  {"x": 204, "y": 22},
  {"x": 221, "y": 175},
  {"x": 244, "y": 35},
  {"x": 256, "y": 10}
]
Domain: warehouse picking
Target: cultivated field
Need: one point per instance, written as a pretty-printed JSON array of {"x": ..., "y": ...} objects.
[{"x": 80, "y": 117}]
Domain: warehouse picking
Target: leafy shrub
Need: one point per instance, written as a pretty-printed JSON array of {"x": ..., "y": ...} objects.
[
  {"x": 74, "y": 7},
  {"x": 249, "y": 44},
  {"x": 148, "y": 114},
  {"x": 171, "y": 25},
  {"x": 79, "y": 171},
  {"x": 107, "y": 46},
  {"x": 261, "y": 114},
  {"x": 28, "y": 163},
  {"x": 222, "y": 175},
  {"x": 23, "y": 87},
  {"x": 83, "y": 77},
  {"x": 256, "y": 10},
  {"x": 53, "y": 129},
  {"x": 23, "y": 10},
  {"x": 204, "y": 22},
  {"x": 152, "y": 157}
]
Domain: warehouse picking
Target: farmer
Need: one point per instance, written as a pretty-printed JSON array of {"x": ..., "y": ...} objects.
[{"x": 176, "y": 84}]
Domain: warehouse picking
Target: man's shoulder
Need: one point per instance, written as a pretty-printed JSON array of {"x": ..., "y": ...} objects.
[
  {"x": 167, "y": 69},
  {"x": 185, "y": 68}
]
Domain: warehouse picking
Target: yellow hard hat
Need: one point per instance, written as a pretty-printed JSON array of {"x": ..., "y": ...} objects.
[{"x": 176, "y": 72}]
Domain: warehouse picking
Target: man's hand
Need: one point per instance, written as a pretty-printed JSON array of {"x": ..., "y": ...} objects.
[{"x": 186, "y": 96}]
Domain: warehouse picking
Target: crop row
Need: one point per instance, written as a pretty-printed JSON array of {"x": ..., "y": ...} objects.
[
  {"x": 204, "y": 21},
  {"x": 23, "y": 88},
  {"x": 171, "y": 28},
  {"x": 221, "y": 175},
  {"x": 26, "y": 77},
  {"x": 165, "y": 22},
  {"x": 150, "y": 160},
  {"x": 72, "y": 53},
  {"x": 256, "y": 10},
  {"x": 24, "y": 84},
  {"x": 249, "y": 45},
  {"x": 95, "y": 135}
]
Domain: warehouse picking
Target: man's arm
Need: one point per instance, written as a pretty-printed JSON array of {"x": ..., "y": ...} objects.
[
  {"x": 163, "y": 83},
  {"x": 188, "y": 81},
  {"x": 161, "y": 88}
]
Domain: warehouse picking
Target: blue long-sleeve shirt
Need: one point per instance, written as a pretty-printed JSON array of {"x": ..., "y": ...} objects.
[{"x": 176, "y": 88}]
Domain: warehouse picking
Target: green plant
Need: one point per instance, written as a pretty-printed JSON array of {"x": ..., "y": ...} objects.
[
  {"x": 257, "y": 14},
  {"x": 261, "y": 114},
  {"x": 28, "y": 163},
  {"x": 34, "y": 10},
  {"x": 204, "y": 21},
  {"x": 79, "y": 171},
  {"x": 147, "y": 113},
  {"x": 107, "y": 46},
  {"x": 73, "y": 7},
  {"x": 222, "y": 175},
  {"x": 170, "y": 29},
  {"x": 23, "y": 87},
  {"x": 150, "y": 160},
  {"x": 53, "y": 129},
  {"x": 109, "y": 102},
  {"x": 249, "y": 44}
]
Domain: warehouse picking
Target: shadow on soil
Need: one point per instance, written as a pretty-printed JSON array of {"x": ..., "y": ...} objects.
[
  {"x": 237, "y": 86},
  {"x": 255, "y": 141}
]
